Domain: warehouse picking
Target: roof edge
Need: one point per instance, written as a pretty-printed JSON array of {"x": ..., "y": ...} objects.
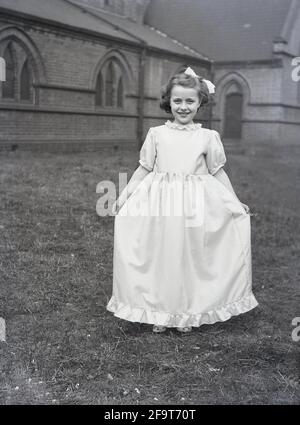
[
  {"x": 289, "y": 20},
  {"x": 140, "y": 43},
  {"x": 97, "y": 13},
  {"x": 179, "y": 43},
  {"x": 86, "y": 10},
  {"x": 53, "y": 23}
]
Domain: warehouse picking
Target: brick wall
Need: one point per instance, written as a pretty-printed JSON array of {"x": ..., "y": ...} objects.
[
  {"x": 36, "y": 128},
  {"x": 271, "y": 111},
  {"x": 65, "y": 110}
]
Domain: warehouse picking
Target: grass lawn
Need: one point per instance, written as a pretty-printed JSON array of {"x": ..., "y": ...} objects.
[{"x": 63, "y": 347}]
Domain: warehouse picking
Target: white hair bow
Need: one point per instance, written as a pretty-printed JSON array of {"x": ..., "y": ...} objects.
[{"x": 210, "y": 85}]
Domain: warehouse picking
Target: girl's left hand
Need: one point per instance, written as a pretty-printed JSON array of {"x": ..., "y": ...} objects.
[
  {"x": 247, "y": 209},
  {"x": 115, "y": 208},
  {"x": 117, "y": 205}
]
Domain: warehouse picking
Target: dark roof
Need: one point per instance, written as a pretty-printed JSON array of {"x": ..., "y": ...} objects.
[
  {"x": 60, "y": 11},
  {"x": 105, "y": 23},
  {"x": 153, "y": 37},
  {"x": 224, "y": 30}
]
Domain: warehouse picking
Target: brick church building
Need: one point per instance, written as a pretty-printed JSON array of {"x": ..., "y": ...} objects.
[
  {"x": 90, "y": 71},
  {"x": 254, "y": 46},
  {"x": 84, "y": 72}
]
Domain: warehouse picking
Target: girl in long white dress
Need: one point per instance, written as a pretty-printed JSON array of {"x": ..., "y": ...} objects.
[{"x": 182, "y": 238}]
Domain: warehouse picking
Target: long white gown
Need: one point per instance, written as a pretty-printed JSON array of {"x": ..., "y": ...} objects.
[{"x": 182, "y": 241}]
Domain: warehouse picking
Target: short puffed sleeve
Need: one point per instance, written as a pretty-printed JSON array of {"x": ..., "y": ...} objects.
[
  {"x": 215, "y": 155},
  {"x": 148, "y": 151}
]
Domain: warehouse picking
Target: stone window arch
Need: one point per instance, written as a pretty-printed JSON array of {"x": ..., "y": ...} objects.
[
  {"x": 18, "y": 86},
  {"x": 231, "y": 102},
  {"x": 24, "y": 66},
  {"x": 110, "y": 87}
]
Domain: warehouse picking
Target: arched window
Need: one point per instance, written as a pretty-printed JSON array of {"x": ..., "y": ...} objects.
[
  {"x": 8, "y": 90},
  {"x": 24, "y": 67},
  {"x": 25, "y": 82},
  {"x": 233, "y": 115},
  {"x": 120, "y": 93},
  {"x": 109, "y": 85},
  {"x": 99, "y": 90}
]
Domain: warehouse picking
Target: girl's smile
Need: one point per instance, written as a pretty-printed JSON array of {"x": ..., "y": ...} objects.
[{"x": 184, "y": 104}]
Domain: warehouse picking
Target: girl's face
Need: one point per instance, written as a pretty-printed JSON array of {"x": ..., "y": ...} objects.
[{"x": 184, "y": 102}]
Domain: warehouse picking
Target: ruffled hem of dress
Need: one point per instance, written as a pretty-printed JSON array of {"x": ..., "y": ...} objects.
[{"x": 140, "y": 315}]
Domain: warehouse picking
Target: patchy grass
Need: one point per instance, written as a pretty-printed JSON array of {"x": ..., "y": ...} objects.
[{"x": 63, "y": 347}]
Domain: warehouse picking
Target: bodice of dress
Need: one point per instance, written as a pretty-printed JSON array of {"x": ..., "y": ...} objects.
[{"x": 189, "y": 149}]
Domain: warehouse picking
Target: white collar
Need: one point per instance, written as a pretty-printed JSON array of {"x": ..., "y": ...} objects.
[{"x": 190, "y": 126}]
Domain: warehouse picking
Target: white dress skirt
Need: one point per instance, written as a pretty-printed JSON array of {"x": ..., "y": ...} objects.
[{"x": 182, "y": 241}]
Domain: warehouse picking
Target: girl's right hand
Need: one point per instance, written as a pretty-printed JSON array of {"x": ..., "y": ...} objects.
[
  {"x": 246, "y": 208},
  {"x": 116, "y": 207}
]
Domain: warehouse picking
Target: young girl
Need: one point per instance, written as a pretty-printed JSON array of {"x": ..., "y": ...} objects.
[{"x": 181, "y": 270}]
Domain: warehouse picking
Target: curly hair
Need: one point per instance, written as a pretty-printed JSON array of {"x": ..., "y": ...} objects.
[{"x": 184, "y": 80}]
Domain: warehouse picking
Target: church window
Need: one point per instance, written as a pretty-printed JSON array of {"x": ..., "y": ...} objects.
[
  {"x": 110, "y": 85},
  {"x": 25, "y": 82},
  {"x": 99, "y": 90},
  {"x": 9, "y": 86}
]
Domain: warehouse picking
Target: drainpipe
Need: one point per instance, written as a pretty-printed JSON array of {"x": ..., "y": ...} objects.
[{"x": 141, "y": 94}]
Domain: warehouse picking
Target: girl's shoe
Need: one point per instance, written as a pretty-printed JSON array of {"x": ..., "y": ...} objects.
[
  {"x": 158, "y": 329},
  {"x": 185, "y": 330}
]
